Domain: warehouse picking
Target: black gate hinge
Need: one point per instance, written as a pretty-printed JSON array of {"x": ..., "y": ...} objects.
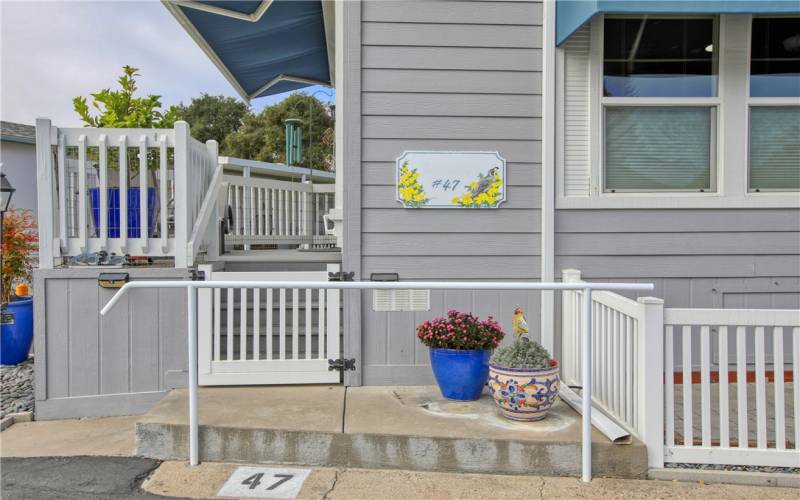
[
  {"x": 341, "y": 364},
  {"x": 341, "y": 276}
]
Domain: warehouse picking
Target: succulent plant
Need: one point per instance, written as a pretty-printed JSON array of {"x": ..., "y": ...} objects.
[{"x": 523, "y": 353}]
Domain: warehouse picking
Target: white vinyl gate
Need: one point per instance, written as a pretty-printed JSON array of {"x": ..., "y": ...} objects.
[{"x": 259, "y": 336}]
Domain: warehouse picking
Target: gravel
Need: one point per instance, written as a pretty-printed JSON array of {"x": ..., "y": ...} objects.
[
  {"x": 738, "y": 468},
  {"x": 16, "y": 388}
]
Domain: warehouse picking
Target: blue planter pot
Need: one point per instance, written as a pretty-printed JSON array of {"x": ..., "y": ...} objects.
[
  {"x": 460, "y": 374},
  {"x": 17, "y": 336},
  {"x": 134, "y": 225}
]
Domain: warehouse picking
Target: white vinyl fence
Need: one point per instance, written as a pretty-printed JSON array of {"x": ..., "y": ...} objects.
[
  {"x": 268, "y": 211},
  {"x": 709, "y": 386},
  {"x": 743, "y": 410},
  {"x": 124, "y": 191}
]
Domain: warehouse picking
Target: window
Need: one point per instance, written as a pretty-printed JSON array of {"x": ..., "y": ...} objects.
[
  {"x": 775, "y": 57},
  {"x": 658, "y": 148},
  {"x": 667, "y": 143},
  {"x": 774, "y": 121},
  {"x": 647, "y": 57},
  {"x": 660, "y": 111},
  {"x": 774, "y": 148}
]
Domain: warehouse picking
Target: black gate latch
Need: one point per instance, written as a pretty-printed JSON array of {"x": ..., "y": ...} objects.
[
  {"x": 341, "y": 364},
  {"x": 341, "y": 276}
]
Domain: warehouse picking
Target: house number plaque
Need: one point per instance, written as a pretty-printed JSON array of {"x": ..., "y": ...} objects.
[{"x": 451, "y": 179}]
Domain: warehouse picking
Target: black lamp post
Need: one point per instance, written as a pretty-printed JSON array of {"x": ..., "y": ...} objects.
[{"x": 6, "y": 191}]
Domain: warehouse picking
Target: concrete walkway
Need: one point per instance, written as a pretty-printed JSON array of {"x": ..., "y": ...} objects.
[
  {"x": 204, "y": 481},
  {"x": 411, "y": 428},
  {"x": 111, "y": 436}
]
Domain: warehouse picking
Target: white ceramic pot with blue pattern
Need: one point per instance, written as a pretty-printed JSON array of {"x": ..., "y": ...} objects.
[{"x": 524, "y": 394}]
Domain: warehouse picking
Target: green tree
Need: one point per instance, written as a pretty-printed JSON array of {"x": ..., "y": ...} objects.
[
  {"x": 262, "y": 136},
  {"x": 120, "y": 109},
  {"x": 213, "y": 116}
]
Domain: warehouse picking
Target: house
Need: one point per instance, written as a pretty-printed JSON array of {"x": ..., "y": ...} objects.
[
  {"x": 639, "y": 141},
  {"x": 18, "y": 156}
]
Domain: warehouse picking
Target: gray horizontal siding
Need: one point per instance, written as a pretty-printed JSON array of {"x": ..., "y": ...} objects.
[
  {"x": 671, "y": 221},
  {"x": 387, "y": 150},
  {"x": 447, "y": 76},
  {"x": 452, "y": 82},
  {"x": 454, "y": 58},
  {"x": 418, "y": 244},
  {"x": 447, "y": 127},
  {"x": 717, "y": 243},
  {"x": 446, "y": 221},
  {"x": 431, "y": 104},
  {"x": 451, "y": 35},
  {"x": 455, "y": 12}
]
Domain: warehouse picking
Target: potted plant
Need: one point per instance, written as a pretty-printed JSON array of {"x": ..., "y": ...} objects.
[
  {"x": 16, "y": 311},
  {"x": 120, "y": 109},
  {"x": 523, "y": 380},
  {"x": 460, "y": 346}
]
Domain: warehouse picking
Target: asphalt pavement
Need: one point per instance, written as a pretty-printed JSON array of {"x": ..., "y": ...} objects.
[{"x": 75, "y": 478}]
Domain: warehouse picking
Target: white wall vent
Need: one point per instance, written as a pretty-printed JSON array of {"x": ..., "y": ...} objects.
[
  {"x": 401, "y": 300},
  {"x": 576, "y": 154}
]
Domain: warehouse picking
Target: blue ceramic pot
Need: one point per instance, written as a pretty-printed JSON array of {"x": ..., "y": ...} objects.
[
  {"x": 17, "y": 335},
  {"x": 461, "y": 374}
]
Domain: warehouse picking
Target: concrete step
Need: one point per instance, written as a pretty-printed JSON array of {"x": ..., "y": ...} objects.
[{"x": 377, "y": 427}]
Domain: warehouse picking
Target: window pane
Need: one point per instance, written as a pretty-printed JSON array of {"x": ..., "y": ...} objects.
[
  {"x": 659, "y": 58},
  {"x": 775, "y": 57},
  {"x": 775, "y": 147},
  {"x": 658, "y": 148}
]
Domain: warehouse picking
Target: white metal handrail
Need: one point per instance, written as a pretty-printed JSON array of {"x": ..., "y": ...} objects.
[{"x": 191, "y": 300}]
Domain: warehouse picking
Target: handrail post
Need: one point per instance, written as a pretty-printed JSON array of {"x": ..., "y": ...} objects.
[
  {"x": 191, "y": 306},
  {"x": 586, "y": 366},
  {"x": 182, "y": 194},
  {"x": 651, "y": 378},
  {"x": 45, "y": 192}
]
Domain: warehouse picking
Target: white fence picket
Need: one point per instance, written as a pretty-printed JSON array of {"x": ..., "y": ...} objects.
[{"x": 724, "y": 423}]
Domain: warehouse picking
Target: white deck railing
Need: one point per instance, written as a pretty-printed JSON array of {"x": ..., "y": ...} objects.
[
  {"x": 268, "y": 211},
  {"x": 703, "y": 424},
  {"x": 668, "y": 377},
  {"x": 93, "y": 197},
  {"x": 626, "y": 359}
]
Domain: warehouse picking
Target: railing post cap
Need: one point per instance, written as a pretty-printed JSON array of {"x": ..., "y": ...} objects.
[
  {"x": 650, "y": 300},
  {"x": 570, "y": 274}
]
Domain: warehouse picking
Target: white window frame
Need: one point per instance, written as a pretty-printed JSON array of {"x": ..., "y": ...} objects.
[
  {"x": 730, "y": 170},
  {"x": 763, "y": 101}
]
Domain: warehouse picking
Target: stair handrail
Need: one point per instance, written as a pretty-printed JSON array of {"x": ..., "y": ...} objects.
[{"x": 201, "y": 233}]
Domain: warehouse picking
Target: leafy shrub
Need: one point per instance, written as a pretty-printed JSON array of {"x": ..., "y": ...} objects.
[
  {"x": 460, "y": 330},
  {"x": 522, "y": 354},
  {"x": 19, "y": 248}
]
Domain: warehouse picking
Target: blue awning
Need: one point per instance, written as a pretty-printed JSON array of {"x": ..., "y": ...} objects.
[
  {"x": 262, "y": 47},
  {"x": 572, "y": 14}
]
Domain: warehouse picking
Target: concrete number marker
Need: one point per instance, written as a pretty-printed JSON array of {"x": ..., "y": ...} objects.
[{"x": 264, "y": 482}]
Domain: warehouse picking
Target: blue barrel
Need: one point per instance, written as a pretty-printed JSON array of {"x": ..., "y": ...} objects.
[
  {"x": 17, "y": 333},
  {"x": 134, "y": 230}
]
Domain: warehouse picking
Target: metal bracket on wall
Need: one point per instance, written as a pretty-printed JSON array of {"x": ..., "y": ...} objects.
[
  {"x": 341, "y": 364},
  {"x": 342, "y": 276}
]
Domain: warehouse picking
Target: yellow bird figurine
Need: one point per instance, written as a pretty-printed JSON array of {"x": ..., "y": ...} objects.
[{"x": 518, "y": 323}]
